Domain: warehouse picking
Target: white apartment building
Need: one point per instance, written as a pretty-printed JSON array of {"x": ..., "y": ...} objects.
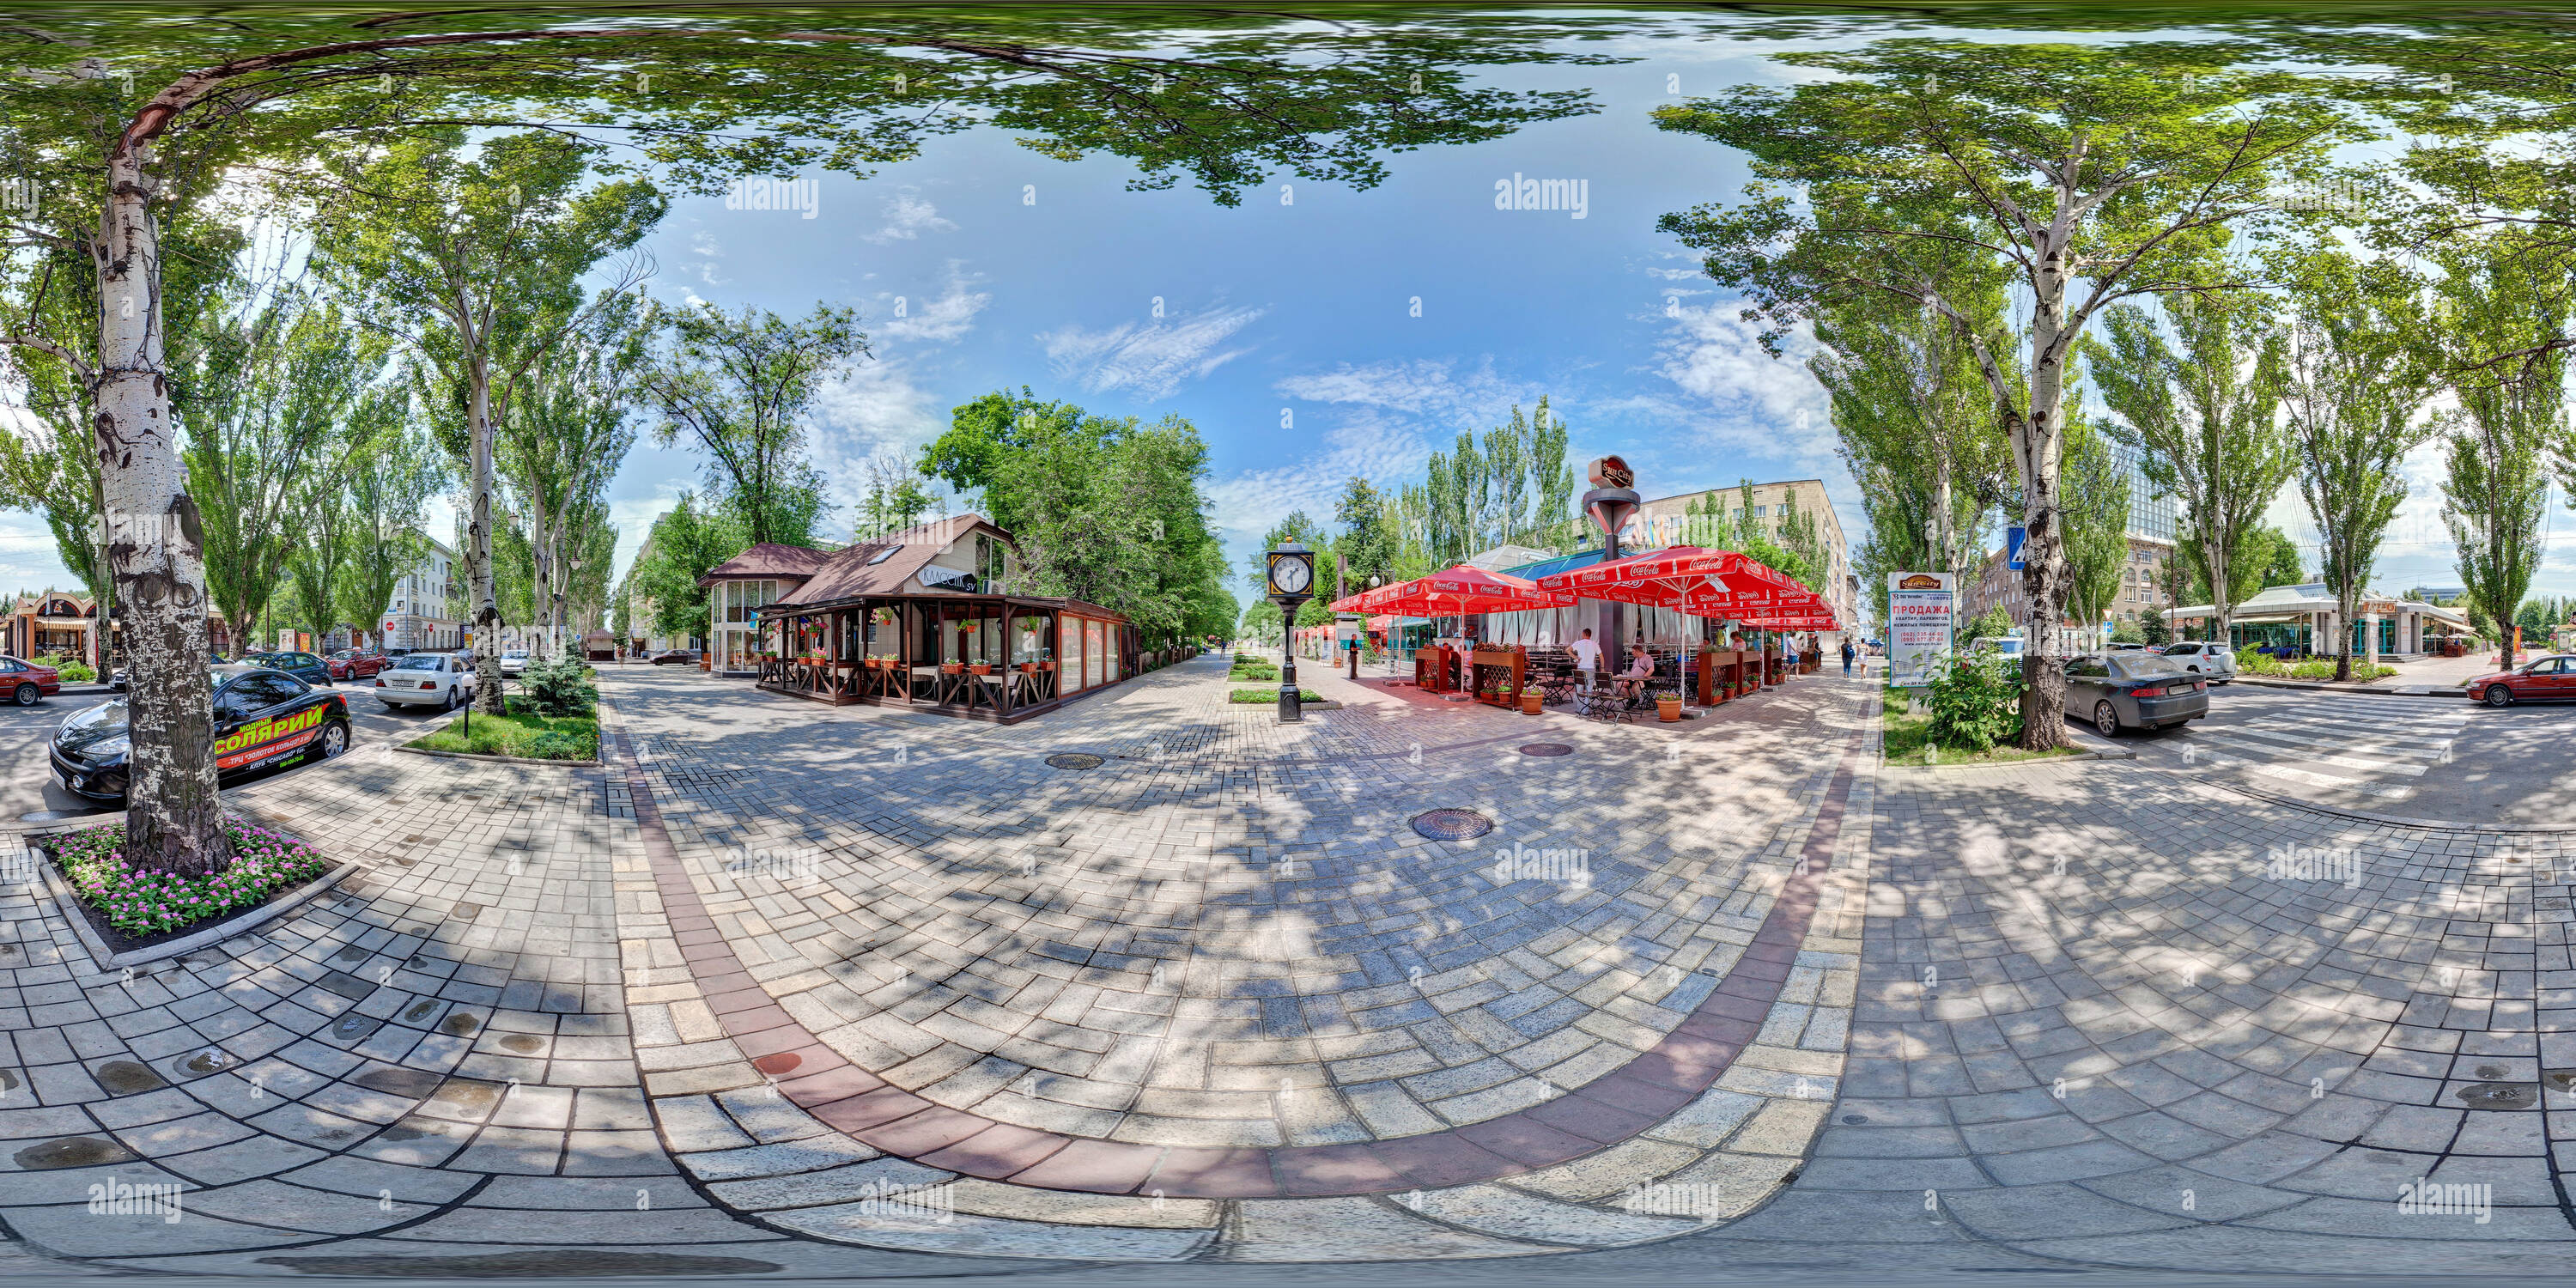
[{"x": 424, "y": 611}]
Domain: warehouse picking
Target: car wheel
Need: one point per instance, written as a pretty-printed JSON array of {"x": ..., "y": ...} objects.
[
  {"x": 335, "y": 739},
  {"x": 2498, "y": 695},
  {"x": 25, "y": 695},
  {"x": 450, "y": 703},
  {"x": 2106, "y": 719}
]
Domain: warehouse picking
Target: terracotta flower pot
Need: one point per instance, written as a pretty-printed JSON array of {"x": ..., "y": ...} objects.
[
  {"x": 981, "y": 668},
  {"x": 1530, "y": 701},
  {"x": 1668, "y": 710},
  {"x": 951, "y": 668}
]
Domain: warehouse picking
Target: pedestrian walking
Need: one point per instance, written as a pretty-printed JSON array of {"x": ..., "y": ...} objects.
[{"x": 1848, "y": 654}]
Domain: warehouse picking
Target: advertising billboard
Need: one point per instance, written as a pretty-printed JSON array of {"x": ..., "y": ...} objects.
[{"x": 1919, "y": 613}]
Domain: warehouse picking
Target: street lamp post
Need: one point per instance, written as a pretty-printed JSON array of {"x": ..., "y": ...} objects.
[
  {"x": 1291, "y": 578},
  {"x": 1612, "y": 499}
]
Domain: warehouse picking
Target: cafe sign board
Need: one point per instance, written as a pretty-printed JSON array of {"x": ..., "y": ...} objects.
[{"x": 1919, "y": 613}]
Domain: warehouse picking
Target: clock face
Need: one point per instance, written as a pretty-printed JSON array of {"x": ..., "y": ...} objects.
[{"x": 1289, "y": 576}]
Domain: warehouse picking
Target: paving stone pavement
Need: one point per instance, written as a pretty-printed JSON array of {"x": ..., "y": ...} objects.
[{"x": 2060, "y": 1017}]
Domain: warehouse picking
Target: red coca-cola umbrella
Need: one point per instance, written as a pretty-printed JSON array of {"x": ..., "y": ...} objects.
[
  {"x": 1702, "y": 583},
  {"x": 1458, "y": 592}
]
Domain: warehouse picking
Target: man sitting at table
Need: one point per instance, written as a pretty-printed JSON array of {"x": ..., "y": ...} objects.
[{"x": 1641, "y": 667}]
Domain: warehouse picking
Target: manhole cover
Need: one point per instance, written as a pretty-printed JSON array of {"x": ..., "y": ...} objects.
[
  {"x": 2499, "y": 1095},
  {"x": 1452, "y": 824},
  {"x": 1074, "y": 760},
  {"x": 1547, "y": 749},
  {"x": 1855, "y": 1119},
  {"x": 73, "y": 1151}
]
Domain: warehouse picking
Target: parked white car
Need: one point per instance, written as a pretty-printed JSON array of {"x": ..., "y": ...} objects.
[
  {"x": 2217, "y": 661},
  {"x": 441, "y": 680},
  {"x": 514, "y": 661}
]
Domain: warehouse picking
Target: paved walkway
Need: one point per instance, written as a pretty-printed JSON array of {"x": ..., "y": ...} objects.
[{"x": 794, "y": 990}]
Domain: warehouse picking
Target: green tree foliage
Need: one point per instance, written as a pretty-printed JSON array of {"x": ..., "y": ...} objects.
[
  {"x": 2202, "y": 410},
  {"x": 1917, "y": 429},
  {"x": 686, "y": 541},
  {"x": 270, "y": 408},
  {"x": 1367, "y": 544},
  {"x": 739, "y": 388},
  {"x": 2491, "y": 302},
  {"x": 389, "y": 485},
  {"x": 1104, "y": 509},
  {"x": 2097, "y": 523},
  {"x": 1516, "y": 488},
  {"x": 2095, "y": 173},
  {"x": 318, "y": 563},
  {"x": 898, "y": 496},
  {"x": 2353, "y": 393}
]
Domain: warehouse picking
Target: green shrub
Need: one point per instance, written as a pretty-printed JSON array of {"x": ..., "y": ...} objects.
[
  {"x": 1272, "y": 695},
  {"x": 556, "y": 686},
  {"x": 558, "y": 746},
  {"x": 76, "y": 673},
  {"x": 2249, "y": 662},
  {"x": 1976, "y": 701}
]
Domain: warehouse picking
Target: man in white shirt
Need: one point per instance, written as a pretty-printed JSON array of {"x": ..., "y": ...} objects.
[{"x": 1587, "y": 655}]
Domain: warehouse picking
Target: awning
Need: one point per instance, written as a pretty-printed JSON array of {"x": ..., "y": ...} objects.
[
  {"x": 1701, "y": 583},
  {"x": 1461, "y": 591}
]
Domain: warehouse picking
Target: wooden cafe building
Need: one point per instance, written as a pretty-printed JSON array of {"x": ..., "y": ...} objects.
[{"x": 930, "y": 618}]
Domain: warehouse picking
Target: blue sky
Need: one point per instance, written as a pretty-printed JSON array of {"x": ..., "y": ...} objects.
[{"x": 1285, "y": 329}]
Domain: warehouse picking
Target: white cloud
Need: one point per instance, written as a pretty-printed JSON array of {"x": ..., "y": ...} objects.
[
  {"x": 1149, "y": 361},
  {"x": 907, "y": 216},
  {"x": 885, "y": 402}
]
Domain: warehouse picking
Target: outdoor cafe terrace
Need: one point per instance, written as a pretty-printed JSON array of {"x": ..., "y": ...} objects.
[{"x": 1712, "y": 622}]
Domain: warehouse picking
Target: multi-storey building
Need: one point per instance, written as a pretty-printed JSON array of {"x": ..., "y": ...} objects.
[
  {"x": 1663, "y": 522},
  {"x": 423, "y": 612}
]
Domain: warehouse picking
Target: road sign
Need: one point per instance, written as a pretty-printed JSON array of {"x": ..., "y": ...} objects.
[{"x": 2013, "y": 537}]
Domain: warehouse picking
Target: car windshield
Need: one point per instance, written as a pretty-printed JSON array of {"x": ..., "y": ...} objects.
[{"x": 2141, "y": 666}]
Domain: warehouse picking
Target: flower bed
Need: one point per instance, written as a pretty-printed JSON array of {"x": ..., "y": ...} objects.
[
  {"x": 139, "y": 905},
  {"x": 1272, "y": 695}
]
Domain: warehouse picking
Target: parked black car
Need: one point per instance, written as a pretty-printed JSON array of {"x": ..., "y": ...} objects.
[
  {"x": 303, "y": 666},
  {"x": 684, "y": 656},
  {"x": 262, "y": 717},
  {"x": 2133, "y": 690}
]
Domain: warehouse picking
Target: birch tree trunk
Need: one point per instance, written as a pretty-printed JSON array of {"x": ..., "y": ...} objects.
[
  {"x": 478, "y": 538},
  {"x": 2039, "y": 445},
  {"x": 539, "y": 568},
  {"x": 155, "y": 548}
]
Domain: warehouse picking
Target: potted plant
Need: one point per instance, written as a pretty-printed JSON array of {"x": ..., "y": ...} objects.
[
  {"x": 1529, "y": 701},
  {"x": 1668, "y": 706},
  {"x": 951, "y": 666},
  {"x": 980, "y": 668}
]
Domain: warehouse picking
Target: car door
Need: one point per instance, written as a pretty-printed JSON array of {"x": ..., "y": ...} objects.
[
  {"x": 2087, "y": 680},
  {"x": 2546, "y": 680}
]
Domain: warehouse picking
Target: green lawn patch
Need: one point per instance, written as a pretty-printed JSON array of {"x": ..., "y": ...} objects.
[
  {"x": 1272, "y": 695},
  {"x": 521, "y": 733},
  {"x": 1905, "y": 736}
]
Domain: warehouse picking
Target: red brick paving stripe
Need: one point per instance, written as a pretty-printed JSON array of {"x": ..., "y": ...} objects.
[{"x": 1612, "y": 1109}]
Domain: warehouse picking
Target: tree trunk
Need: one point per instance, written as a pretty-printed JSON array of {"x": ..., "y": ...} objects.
[
  {"x": 2038, "y": 448},
  {"x": 478, "y": 542},
  {"x": 540, "y": 568},
  {"x": 155, "y": 549}
]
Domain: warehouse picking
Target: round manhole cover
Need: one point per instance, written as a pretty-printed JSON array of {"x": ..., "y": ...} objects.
[
  {"x": 2499, "y": 1095},
  {"x": 1074, "y": 760},
  {"x": 1452, "y": 824},
  {"x": 1547, "y": 749},
  {"x": 1855, "y": 1119}
]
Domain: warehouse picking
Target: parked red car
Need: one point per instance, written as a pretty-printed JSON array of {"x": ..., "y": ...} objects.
[
  {"x": 25, "y": 682},
  {"x": 2542, "y": 679},
  {"x": 356, "y": 664}
]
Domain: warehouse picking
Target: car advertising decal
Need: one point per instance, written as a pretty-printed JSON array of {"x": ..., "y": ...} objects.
[{"x": 265, "y": 736}]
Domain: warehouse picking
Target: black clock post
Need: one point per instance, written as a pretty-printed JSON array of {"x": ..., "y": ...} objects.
[{"x": 1292, "y": 583}]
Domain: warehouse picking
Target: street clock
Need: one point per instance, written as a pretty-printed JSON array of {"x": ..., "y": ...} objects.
[{"x": 1292, "y": 573}]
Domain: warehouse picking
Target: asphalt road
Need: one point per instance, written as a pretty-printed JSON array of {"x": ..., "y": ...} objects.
[
  {"x": 27, "y": 785},
  {"x": 2445, "y": 759}
]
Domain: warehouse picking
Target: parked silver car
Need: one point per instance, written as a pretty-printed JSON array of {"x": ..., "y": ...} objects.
[
  {"x": 2133, "y": 691},
  {"x": 2217, "y": 661}
]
